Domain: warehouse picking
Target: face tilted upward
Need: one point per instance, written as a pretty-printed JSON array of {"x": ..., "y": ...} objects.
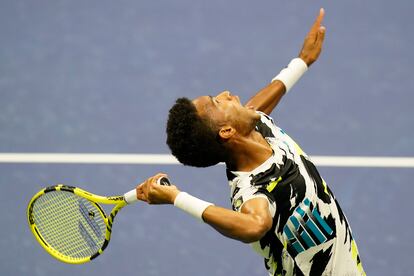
[{"x": 225, "y": 109}]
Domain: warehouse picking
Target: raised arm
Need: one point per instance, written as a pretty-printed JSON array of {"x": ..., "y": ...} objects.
[{"x": 267, "y": 98}]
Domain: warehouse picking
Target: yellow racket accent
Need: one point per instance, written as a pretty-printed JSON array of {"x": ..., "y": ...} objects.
[{"x": 69, "y": 223}]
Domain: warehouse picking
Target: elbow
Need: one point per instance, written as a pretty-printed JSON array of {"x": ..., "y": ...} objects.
[{"x": 256, "y": 231}]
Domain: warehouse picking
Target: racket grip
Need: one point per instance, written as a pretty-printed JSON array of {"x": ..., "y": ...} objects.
[
  {"x": 131, "y": 196},
  {"x": 163, "y": 181}
]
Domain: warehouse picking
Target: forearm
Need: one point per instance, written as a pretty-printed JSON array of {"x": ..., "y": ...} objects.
[
  {"x": 239, "y": 226},
  {"x": 250, "y": 225},
  {"x": 267, "y": 98}
]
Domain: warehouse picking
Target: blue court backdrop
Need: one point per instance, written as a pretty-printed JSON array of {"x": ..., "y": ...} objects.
[{"x": 100, "y": 76}]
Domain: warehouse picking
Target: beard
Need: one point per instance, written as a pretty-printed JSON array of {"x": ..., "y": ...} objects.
[
  {"x": 254, "y": 122},
  {"x": 246, "y": 126}
]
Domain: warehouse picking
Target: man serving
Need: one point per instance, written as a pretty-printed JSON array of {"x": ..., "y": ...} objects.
[{"x": 280, "y": 203}]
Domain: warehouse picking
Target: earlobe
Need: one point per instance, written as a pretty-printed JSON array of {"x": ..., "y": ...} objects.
[{"x": 226, "y": 132}]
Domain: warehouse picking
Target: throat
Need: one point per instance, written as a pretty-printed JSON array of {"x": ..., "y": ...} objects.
[{"x": 250, "y": 153}]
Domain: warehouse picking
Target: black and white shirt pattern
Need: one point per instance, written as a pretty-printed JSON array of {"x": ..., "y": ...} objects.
[{"x": 310, "y": 234}]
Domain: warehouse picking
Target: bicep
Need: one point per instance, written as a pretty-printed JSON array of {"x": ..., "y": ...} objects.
[{"x": 258, "y": 208}]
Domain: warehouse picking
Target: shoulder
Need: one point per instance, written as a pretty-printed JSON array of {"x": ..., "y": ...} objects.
[
  {"x": 266, "y": 125},
  {"x": 264, "y": 117},
  {"x": 243, "y": 190}
]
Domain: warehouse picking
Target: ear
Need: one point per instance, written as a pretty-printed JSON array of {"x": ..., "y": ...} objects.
[{"x": 226, "y": 132}]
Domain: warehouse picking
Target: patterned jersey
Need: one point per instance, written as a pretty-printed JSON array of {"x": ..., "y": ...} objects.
[{"x": 310, "y": 234}]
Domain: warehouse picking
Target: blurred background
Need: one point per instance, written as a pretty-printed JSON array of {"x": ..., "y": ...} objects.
[{"x": 100, "y": 76}]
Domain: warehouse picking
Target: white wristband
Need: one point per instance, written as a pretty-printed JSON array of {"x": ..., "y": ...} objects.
[
  {"x": 292, "y": 73},
  {"x": 192, "y": 205}
]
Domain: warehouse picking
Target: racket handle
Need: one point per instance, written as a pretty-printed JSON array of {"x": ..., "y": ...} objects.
[
  {"x": 163, "y": 181},
  {"x": 131, "y": 196}
]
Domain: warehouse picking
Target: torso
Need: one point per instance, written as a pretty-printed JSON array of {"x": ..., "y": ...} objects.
[{"x": 309, "y": 233}]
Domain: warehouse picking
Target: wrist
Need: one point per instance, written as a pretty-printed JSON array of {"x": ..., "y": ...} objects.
[
  {"x": 191, "y": 205},
  {"x": 174, "y": 195},
  {"x": 292, "y": 73},
  {"x": 305, "y": 59}
]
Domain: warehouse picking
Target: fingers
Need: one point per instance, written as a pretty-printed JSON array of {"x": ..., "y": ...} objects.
[
  {"x": 145, "y": 189},
  {"x": 321, "y": 36},
  {"x": 316, "y": 27},
  {"x": 140, "y": 192},
  {"x": 312, "y": 44},
  {"x": 317, "y": 33},
  {"x": 318, "y": 20},
  {"x": 158, "y": 176},
  {"x": 320, "y": 17}
]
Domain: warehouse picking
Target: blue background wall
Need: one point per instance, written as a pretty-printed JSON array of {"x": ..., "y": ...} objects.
[{"x": 100, "y": 76}]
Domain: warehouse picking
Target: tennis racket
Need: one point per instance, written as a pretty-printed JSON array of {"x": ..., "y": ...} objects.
[{"x": 69, "y": 223}]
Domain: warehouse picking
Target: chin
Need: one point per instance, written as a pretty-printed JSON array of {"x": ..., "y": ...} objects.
[
  {"x": 255, "y": 115},
  {"x": 254, "y": 119}
]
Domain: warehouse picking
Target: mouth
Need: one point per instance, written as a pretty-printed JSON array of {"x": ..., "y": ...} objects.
[{"x": 237, "y": 98}]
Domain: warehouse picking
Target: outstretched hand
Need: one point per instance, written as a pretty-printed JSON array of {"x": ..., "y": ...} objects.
[
  {"x": 153, "y": 193},
  {"x": 312, "y": 45}
]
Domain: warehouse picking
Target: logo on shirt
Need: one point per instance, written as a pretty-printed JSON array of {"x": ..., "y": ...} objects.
[
  {"x": 237, "y": 203},
  {"x": 306, "y": 228}
]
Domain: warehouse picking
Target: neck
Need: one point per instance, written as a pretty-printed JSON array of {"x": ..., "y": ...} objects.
[{"x": 248, "y": 152}]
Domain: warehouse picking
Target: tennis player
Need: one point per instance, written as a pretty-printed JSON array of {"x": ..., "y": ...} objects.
[{"x": 281, "y": 205}]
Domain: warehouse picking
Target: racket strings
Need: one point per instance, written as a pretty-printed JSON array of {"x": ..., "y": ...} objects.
[{"x": 70, "y": 224}]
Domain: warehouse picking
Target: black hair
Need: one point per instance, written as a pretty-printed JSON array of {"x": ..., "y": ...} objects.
[{"x": 192, "y": 139}]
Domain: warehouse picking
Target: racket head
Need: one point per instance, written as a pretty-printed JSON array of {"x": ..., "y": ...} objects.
[{"x": 69, "y": 223}]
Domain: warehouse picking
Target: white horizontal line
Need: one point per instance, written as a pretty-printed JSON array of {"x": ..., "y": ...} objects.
[
  {"x": 87, "y": 158},
  {"x": 364, "y": 161},
  {"x": 167, "y": 159}
]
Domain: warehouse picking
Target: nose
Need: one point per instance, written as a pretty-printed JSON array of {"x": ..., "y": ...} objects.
[{"x": 225, "y": 95}]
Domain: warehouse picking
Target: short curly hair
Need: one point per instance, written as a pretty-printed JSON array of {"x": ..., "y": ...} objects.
[{"x": 191, "y": 138}]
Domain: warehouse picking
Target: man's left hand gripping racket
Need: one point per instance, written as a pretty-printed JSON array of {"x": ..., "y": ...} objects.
[{"x": 69, "y": 223}]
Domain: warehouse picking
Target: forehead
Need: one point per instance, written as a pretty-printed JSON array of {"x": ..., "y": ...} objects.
[{"x": 203, "y": 104}]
